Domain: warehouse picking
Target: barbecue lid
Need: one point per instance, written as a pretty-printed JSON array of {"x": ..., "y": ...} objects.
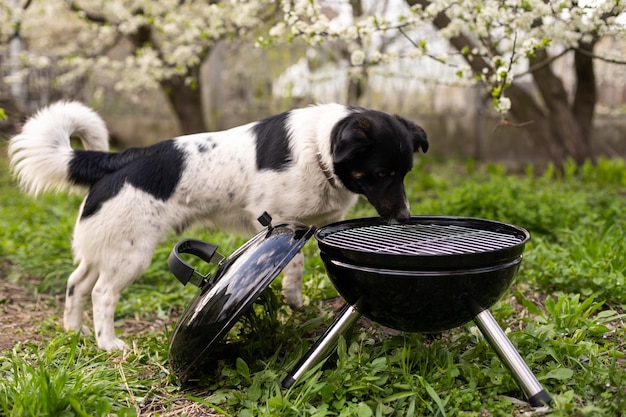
[{"x": 225, "y": 297}]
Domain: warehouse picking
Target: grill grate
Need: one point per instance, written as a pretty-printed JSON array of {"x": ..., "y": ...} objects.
[{"x": 421, "y": 239}]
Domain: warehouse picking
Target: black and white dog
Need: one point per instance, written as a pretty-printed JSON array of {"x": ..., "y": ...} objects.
[{"x": 306, "y": 165}]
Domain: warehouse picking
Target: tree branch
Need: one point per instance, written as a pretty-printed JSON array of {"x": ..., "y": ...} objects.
[
  {"x": 406, "y": 35},
  {"x": 546, "y": 62},
  {"x": 585, "y": 96},
  {"x": 18, "y": 25},
  {"x": 92, "y": 17},
  {"x": 502, "y": 83},
  {"x": 478, "y": 63},
  {"x": 588, "y": 53}
]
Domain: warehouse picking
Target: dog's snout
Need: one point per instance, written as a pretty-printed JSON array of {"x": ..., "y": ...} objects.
[
  {"x": 393, "y": 211},
  {"x": 400, "y": 218},
  {"x": 404, "y": 217}
]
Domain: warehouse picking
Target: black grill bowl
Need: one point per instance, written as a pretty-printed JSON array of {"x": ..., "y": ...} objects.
[{"x": 430, "y": 274}]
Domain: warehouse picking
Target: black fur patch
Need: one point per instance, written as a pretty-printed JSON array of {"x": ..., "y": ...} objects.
[
  {"x": 272, "y": 143},
  {"x": 155, "y": 170}
]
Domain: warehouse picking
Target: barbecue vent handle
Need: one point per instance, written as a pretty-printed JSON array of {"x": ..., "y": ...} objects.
[{"x": 185, "y": 272}]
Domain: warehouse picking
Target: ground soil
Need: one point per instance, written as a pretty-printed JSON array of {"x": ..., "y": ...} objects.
[
  {"x": 23, "y": 309},
  {"x": 22, "y": 312}
]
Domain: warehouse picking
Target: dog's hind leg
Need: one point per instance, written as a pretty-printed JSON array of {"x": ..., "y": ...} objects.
[
  {"x": 292, "y": 281},
  {"x": 79, "y": 285},
  {"x": 106, "y": 294}
]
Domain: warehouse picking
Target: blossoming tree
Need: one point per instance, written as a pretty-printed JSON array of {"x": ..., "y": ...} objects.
[
  {"x": 170, "y": 41},
  {"x": 494, "y": 42},
  {"x": 166, "y": 41}
]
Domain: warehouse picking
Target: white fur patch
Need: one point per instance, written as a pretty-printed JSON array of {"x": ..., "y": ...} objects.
[{"x": 40, "y": 155}]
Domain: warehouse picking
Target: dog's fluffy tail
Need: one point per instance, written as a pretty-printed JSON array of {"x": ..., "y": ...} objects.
[{"x": 40, "y": 156}]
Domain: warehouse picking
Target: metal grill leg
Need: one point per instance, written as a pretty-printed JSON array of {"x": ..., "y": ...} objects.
[
  {"x": 537, "y": 396},
  {"x": 323, "y": 346}
]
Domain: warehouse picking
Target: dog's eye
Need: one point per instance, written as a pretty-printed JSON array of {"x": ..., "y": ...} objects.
[
  {"x": 383, "y": 174},
  {"x": 358, "y": 175}
]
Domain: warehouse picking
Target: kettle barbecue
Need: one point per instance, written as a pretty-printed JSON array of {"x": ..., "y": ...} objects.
[{"x": 430, "y": 274}]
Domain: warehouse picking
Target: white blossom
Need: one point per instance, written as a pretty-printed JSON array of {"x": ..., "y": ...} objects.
[
  {"x": 503, "y": 104},
  {"x": 357, "y": 58}
]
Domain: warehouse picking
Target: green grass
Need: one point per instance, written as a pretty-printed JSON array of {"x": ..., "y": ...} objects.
[{"x": 564, "y": 313}]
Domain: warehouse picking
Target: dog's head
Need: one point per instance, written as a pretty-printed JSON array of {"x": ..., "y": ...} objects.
[{"x": 372, "y": 153}]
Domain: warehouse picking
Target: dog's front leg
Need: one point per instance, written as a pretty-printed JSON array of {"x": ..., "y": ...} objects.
[{"x": 292, "y": 281}]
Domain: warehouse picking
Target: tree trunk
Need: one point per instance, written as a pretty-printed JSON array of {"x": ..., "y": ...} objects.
[
  {"x": 537, "y": 124},
  {"x": 185, "y": 99},
  {"x": 186, "y": 102},
  {"x": 559, "y": 128},
  {"x": 567, "y": 130},
  {"x": 357, "y": 86},
  {"x": 586, "y": 95}
]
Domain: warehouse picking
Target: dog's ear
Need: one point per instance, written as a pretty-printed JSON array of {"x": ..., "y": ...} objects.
[
  {"x": 418, "y": 135},
  {"x": 351, "y": 138}
]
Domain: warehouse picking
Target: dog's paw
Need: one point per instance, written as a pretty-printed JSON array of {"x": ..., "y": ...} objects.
[
  {"x": 85, "y": 330},
  {"x": 293, "y": 299},
  {"x": 111, "y": 344},
  {"x": 72, "y": 324}
]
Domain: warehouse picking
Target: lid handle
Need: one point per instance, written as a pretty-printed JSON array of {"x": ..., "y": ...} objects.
[
  {"x": 185, "y": 272},
  {"x": 266, "y": 220}
]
